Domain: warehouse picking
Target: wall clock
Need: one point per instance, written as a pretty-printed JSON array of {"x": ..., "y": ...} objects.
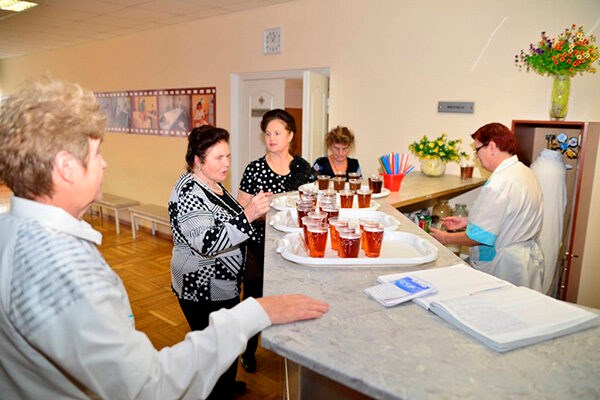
[{"x": 272, "y": 41}]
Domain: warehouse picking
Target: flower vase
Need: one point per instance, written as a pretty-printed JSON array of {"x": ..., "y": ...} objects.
[
  {"x": 433, "y": 166},
  {"x": 560, "y": 97}
]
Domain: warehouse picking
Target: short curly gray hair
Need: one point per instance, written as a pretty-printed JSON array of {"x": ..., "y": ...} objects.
[{"x": 45, "y": 117}]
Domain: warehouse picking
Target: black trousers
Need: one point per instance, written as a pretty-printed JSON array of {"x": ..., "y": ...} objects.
[
  {"x": 253, "y": 284},
  {"x": 196, "y": 314}
]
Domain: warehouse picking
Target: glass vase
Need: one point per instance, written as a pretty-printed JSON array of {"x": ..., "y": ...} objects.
[
  {"x": 560, "y": 97},
  {"x": 433, "y": 166}
]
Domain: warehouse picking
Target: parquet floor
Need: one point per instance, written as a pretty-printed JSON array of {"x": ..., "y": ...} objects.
[{"x": 143, "y": 265}]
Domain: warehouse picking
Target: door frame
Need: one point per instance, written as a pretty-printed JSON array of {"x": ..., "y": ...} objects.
[{"x": 237, "y": 81}]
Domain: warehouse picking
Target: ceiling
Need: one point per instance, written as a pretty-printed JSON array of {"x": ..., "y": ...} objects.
[{"x": 62, "y": 23}]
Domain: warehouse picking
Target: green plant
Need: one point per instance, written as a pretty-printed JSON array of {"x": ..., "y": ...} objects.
[
  {"x": 442, "y": 148},
  {"x": 568, "y": 54}
]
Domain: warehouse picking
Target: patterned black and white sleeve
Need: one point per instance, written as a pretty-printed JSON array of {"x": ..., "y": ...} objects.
[{"x": 208, "y": 228}]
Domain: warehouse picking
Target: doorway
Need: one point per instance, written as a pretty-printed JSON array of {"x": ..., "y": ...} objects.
[{"x": 303, "y": 93}]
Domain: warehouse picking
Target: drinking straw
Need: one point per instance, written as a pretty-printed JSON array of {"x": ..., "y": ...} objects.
[
  {"x": 386, "y": 164},
  {"x": 403, "y": 166},
  {"x": 393, "y": 169},
  {"x": 410, "y": 169}
]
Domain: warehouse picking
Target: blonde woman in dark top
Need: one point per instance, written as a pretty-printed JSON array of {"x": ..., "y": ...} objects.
[
  {"x": 276, "y": 172},
  {"x": 339, "y": 142}
]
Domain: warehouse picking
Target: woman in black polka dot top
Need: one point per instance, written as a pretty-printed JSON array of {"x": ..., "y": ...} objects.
[
  {"x": 209, "y": 230},
  {"x": 277, "y": 172}
]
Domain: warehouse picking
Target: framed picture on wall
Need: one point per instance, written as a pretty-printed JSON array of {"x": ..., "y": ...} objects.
[
  {"x": 117, "y": 107},
  {"x": 167, "y": 112},
  {"x": 144, "y": 115}
]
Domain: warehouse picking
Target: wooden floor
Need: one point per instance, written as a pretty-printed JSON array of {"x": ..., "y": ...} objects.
[{"x": 143, "y": 265}]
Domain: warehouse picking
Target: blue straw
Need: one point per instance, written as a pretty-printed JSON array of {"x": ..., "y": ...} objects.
[{"x": 386, "y": 164}]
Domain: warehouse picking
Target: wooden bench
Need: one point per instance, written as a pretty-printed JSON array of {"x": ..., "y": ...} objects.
[
  {"x": 114, "y": 203},
  {"x": 150, "y": 212}
]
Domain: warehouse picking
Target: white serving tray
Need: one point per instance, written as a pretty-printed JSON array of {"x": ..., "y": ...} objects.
[
  {"x": 384, "y": 191},
  {"x": 289, "y": 203},
  {"x": 287, "y": 220},
  {"x": 398, "y": 249}
]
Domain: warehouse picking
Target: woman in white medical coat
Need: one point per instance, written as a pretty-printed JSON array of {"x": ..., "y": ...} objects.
[{"x": 504, "y": 223}]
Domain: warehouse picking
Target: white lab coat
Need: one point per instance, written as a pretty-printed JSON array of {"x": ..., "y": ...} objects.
[
  {"x": 507, "y": 218},
  {"x": 549, "y": 169}
]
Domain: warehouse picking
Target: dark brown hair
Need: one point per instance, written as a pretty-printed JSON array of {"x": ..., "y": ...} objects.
[
  {"x": 282, "y": 115},
  {"x": 200, "y": 140}
]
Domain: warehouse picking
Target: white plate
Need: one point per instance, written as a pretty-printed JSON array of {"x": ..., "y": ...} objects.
[
  {"x": 397, "y": 249},
  {"x": 287, "y": 220},
  {"x": 285, "y": 202},
  {"x": 384, "y": 192},
  {"x": 288, "y": 202}
]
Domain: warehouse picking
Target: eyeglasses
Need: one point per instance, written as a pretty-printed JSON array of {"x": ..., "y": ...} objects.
[{"x": 480, "y": 147}]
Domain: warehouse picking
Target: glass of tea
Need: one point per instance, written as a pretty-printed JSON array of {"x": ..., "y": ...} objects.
[
  {"x": 376, "y": 183},
  {"x": 346, "y": 198},
  {"x": 373, "y": 239},
  {"x": 339, "y": 183},
  {"x": 354, "y": 183},
  {"x": 317, "y": 239},
  {"x": 353, "y": 175},
  {"x": 323, "y": 182},
  {"x": 364, "y": 197},
  {"x": 303, "y": 207},
  {"x": 349, "y": 243},
  {"x": 331, "y": 209},
  {"x": 362, "y": 222},
  {"x": 306, "y": 222},
  {"x": 335, "y": 224}
]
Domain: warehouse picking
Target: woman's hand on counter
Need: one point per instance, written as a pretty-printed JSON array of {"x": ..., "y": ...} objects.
[
  {"x": 282, "y": 309},
  {"x": 258, "y": 206}
]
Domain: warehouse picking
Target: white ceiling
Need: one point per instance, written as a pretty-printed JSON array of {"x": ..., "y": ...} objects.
[{"x": 63, "y": 23}]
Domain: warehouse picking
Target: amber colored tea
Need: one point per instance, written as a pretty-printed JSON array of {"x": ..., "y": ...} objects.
[
  {"x": 349, "y": 244},
  {"x": 323, "y": 182},
  {"x": 466, "y": 172},
  {"x": 317, "y": 240},
  {"x": 334, "y": 225},
  {"x": 346, "y": 199},
  {"x": 362, "y": 222},
  {"x": 373, "y": 240},
  {"x": 364, "y": 198},
  {"x": 332, "y": 211},
  {"x": 339, "y": 183},
  {"x": 376, "y": 183},
  {"x": 354, "y": 184},
  {"x": 303, "y": 208}
]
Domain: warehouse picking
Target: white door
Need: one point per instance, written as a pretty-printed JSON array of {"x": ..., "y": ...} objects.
[
  {"x": 258, "y": 96},
  {"x": 314, "y": 114}
]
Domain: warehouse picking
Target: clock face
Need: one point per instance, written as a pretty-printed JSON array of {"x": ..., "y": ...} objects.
[{"x": 272, "y": 41}]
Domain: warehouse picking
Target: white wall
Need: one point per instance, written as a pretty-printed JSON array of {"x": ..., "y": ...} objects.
[{"x": 390, "y": 61}]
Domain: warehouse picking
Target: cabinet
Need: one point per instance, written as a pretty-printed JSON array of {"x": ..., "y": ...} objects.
[{"x": 574, "y": 268}]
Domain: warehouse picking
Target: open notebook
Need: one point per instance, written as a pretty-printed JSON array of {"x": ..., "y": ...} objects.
[{"x": 499, "y": 314}]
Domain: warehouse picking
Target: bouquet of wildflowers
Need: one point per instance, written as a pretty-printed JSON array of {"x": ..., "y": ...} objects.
[
  {"x": 442, "y": 148},
  {"x": 568, "y": 54}
]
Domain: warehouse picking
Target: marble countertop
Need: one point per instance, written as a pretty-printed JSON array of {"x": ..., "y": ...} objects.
[{"x": 406, "y": 352}]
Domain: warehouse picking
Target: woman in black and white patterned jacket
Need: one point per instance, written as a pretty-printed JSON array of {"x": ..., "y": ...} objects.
[{"x": 209, "y": 230}]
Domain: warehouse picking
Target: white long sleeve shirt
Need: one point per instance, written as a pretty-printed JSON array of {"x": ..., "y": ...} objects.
[{"x": 67, "y": 329}]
